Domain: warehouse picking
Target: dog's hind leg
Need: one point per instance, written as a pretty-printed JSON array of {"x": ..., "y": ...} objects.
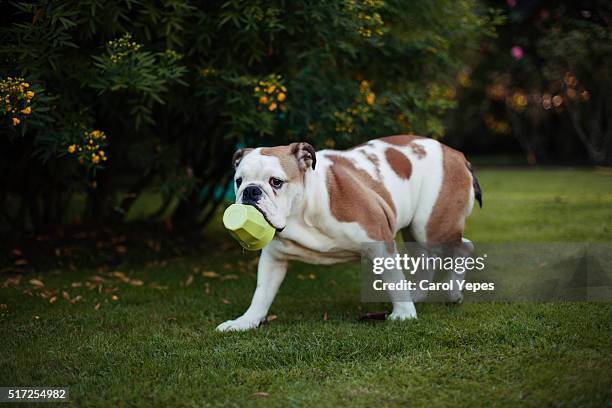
[{"x": 403, "y": 306}]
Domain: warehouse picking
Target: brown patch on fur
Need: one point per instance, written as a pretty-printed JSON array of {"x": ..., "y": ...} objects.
[
  {"x": 445, "y": 225},
  {"x": 374, "y": 160},
  {"x": 287, "y": 160},
  {"x": 400, "y": 140},
  {"x": 292, "y": 157},
  {"x": 418, "y": 150},
  {"x": 354, "y": 196},
  {"x": 400, "y": 164}
]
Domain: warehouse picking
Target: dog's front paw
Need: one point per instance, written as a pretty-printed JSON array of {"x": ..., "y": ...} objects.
[
  {"x": 400, "y": 315},
  {"x": 240, "y": 324}
]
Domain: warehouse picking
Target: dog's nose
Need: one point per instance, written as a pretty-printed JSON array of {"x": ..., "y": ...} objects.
[{"x": 251, "y": 193}]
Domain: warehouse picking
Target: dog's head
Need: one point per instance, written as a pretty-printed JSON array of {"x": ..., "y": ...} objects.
[{"x": 272, "y": 178}]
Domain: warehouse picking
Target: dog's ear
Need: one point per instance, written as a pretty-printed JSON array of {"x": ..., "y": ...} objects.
[
  {"x": 240, "y": 153},
  {"x": 304, "y": 154}
]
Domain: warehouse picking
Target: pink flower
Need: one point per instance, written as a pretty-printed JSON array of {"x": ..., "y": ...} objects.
[
  {"x": 517, "y": 52},
  {"x": 511, "y": 3}
]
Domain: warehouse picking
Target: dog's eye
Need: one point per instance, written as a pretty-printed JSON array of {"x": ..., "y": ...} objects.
[
  {"x": 238, "y": 182},
  {"x": 276, "y": 182}
]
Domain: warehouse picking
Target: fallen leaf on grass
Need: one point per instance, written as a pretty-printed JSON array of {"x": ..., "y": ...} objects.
[
  {"x": 230, "y": 277},
  {"x": 271, "y": 317},
  {"x": 11, "y": 282},
  {"x": 36, "y": 317},
  {"x": 98, "y": 306},
  {"x": 76, "y": 284},
  {"x": 210, "y": 274},
  {"x": 53, "y": 299},
  {"x": 65, "y": 295},
  {"x": 21, "y": 262},
  {"x": 76, "y": 299},
  {"x": 156, "y": 285},
  {"x": 189, "y": 280},
  {"x": 3, "y": 306},
  {"x": 206, "y": 288},
  {"x": 325, "y": 316},
  {"x": 120, "y": 275},
  {"x": 136, "y": 282},
  {"x": 97, "y": 279},
  {"x": 36, "y": 282},
  {"x": 261, "y": 394},
  {"x": 121, "y": 249},
  {"x": 312, "y": 276},
  {"x": 225, "y": 301},
  {"x": 114, "y": 297}
]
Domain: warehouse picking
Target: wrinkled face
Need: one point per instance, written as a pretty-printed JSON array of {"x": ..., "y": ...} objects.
[{"x": 272, "y": 180}]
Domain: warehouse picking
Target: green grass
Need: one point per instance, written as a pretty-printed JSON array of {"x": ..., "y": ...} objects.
[{"x": 156, "y": 345}]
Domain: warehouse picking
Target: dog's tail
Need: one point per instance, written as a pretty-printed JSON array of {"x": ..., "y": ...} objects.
[{"x": 475, "y": 184}]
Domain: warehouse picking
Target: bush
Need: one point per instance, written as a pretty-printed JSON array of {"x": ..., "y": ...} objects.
[{"x": 175, "y": 88}]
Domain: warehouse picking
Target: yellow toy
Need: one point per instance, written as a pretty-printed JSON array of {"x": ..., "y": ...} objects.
[{"x": 248, "y": 226}]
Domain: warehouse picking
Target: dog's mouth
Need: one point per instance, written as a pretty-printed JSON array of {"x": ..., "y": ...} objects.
[{"x": 254, "y": 204}]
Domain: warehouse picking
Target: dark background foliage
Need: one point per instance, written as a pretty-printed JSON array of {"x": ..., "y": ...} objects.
[{"x": 177, "y": 87}]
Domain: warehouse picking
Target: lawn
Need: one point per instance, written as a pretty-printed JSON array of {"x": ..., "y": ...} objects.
[{"x": 144, "y": 335}]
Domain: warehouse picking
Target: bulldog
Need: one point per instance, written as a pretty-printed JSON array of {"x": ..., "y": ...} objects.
[{"x": 325, "y": 204}]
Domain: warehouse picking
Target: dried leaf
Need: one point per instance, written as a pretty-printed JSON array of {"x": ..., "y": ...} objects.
[
  {"x": 225, "y": 301},
  {"x": 189, "y": 280},
  {"x": 121, "y": 249},
  {"x": 261, "y": 394},
  {"x": 230, "y": 277},
  {"x": 21, "y": 262},
  {"x": 210, "y": 274},
  {"x": 206, "y": 288},
  {"x": 271, "y": 317},
  {"x": 115, "y": 298},
  {"x": 3, "y": 306},
  {"x": 53, "y": 299},
  {"x": 325, "y": 316},
  {"x": 76, "y": 284},
  {"x": 136, "y": 282},
  {"x": 98, "y": 306},
  {"x": 120, "y": 275},
  {"x": 97, "y": 279},
  {"x": 76, "y": 299},
  {"x": 312, "y": 276},
  {"x": 37, "y": 283},
  {"x": 65, "y": 295}
]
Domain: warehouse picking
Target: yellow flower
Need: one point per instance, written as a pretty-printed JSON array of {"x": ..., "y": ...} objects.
[
  {"x": 95, "y": 134},
  {"x": 263, "y": 100},
  {"x": 272, "y": 106},
  {"x": 370, "y": 98},
  {"x": 26, "y": 111},
  {"x": 271, "y": 89},
  {"x": 256, "y": 89},
  {"x": 16, "y": 121},
  {"x": 30, "y": 94},
  {"x": 101, "y": 153},
  {"x": 71, "y": 148},
  {"x": 25, "y": 85},
  {"x": 281, "y": 97},
  {"x": 95, "y": 159}
]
